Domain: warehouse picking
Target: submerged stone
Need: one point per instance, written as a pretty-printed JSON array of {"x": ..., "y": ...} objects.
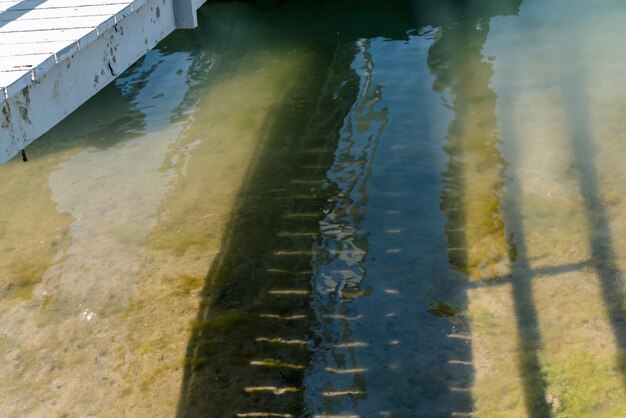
[{"x": 442, "y": 309}]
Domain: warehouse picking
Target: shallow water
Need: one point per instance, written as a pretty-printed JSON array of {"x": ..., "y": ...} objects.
[{"x": 331, "y": 211}]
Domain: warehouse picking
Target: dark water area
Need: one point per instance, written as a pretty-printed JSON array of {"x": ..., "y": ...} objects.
[
  {"x": 331, "y": 209},
  {"x": 312, "y": 333}
]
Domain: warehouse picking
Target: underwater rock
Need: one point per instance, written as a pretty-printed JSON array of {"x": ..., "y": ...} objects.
[{"x": 442, "y": 309}]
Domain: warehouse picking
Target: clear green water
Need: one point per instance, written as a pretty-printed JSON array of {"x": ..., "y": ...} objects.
[{"x": 382, "y": 209}]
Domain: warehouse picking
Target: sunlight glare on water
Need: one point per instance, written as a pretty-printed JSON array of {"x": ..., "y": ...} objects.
[{"x": 412, "y": 209}]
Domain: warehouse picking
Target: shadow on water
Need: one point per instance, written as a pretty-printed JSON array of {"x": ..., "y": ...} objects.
[
  {"x": 603, "y": 257},
  {"x": 575, "y": 101},
  {"x": 255, "y": 330},
  {"x": 249, "y": 347},
  {"x": 529, "y": 336}
]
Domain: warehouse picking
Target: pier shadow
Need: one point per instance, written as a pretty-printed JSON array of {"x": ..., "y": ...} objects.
[
  {"x": 524, "y": 307},
  {"x": 256, "y": 330},
  {"x": 576, "y": 104},
  {"x": 602, "y": 261},
  {"x": 251, "y": 339}
]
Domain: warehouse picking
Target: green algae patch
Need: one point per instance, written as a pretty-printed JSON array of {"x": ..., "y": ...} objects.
[
  {"x": 181, "y": 242},
  {"x": 187, "y": 284},
  {"x": 155, "y": 376},
  {"x": 222, "y": 322},
  {"x": 134, "y": 307},
  {"x": 55, "y": 308},
  {"x": 440, "y": 308},
  {"x": 195, "y": 362},
  {"x": 484, "y": 320},
  {"x": 156, "y": 345},
  {"x": 26, "y": 274},
  {"x": 583, "y": 384},
  {"x": 132, "y": 235}
]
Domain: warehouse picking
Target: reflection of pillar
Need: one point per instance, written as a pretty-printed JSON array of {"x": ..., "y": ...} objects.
[
  {"x": 345, "y": 249},
  {"x": 477, "y": 241},
  {"x": 477, "y": 244},
  {"x": 340, "y": 258}
]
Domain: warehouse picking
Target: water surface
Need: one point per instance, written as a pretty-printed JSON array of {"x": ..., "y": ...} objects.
[{"x": 406, "y": 210}]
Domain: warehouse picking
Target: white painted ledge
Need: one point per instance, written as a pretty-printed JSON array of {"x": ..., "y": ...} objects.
[{"x": 56, "y": 54}]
